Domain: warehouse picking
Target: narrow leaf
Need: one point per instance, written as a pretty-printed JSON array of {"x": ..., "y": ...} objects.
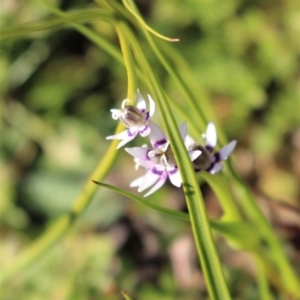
[{"x": 176, "y": 214}]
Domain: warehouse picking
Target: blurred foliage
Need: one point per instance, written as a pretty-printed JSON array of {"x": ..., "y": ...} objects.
[{"x": 57, "y": 88}]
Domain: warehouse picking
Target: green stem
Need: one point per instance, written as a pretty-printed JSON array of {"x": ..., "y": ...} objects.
[
  {"x": 142, "y": 22},
  {"x": 202, "y": 233},
  {"x": 128, "y": 60},
  {"x": 250, "y": 207}
]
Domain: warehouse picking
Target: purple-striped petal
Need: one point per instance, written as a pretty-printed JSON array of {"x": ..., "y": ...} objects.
[
  {"x": 151, "y": 106},
  {"x": 156, "y": 136},
  {"x": 214, "y": 168},
  {"x": 125, "y": 141},
  {"x": 226, "y": 150},
  {"x": 151, "y": 177},
  {"x": 144, "y": 131},
  {"x": 211, "y": 136},
  {"x": 141, "y": 103},
  {"x": 126, "y": 136},
  {"x": 188, "y": 142},
  {"x": 158, "y": 185},
  {"x": 137, "y": 182},
  {"x": 132, "y": 132},
  {"x": 120, "y": 136},
  {"x": 174, "y": 176},
  {"x": 138, "y": 152},
  {"x": 147, "y": 164}
]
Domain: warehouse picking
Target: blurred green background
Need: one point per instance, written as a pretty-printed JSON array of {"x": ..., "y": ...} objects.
[{"x": 56, "y": 91}]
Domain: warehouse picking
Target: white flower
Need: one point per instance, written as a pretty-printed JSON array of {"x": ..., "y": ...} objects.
[
  {"x": 209, "y": 161},
  {"x": 135, "y": 118},
  {"x": 158, "y": 160}
]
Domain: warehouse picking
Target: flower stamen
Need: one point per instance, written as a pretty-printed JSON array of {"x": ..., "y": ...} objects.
[{"x": 124, "y": 102}]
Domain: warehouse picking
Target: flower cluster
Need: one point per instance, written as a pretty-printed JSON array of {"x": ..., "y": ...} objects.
[{"x": 159, "y": 160}]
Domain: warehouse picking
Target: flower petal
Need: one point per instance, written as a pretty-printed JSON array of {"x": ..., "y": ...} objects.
[
  {"x": 226, "y": 150},
  {"x": 183, "y": 130},
  {"x": 122, "y": 135},
  {"x": 151, "y": 106},
  {"x": 151, "y": 177},
  {"x": 189, "y": 142},
  {"x": 141, "y": 103},
  {"x": 158, "y": 185},
  {"x": 125, "y": 141},
  {"x": 144, "y": 130},
  {"x": 211, "y": 136},
  {"x": 214, "y": 168},
  {"x": 137, "y": 182},
  {"x": 194, "y": 154},
  {"x": 156, "y": 136},
  {"x": 139, "y": 152},
  {"x": 126, "y": 136},
  {"x": 147, "y": 164},
  {"x": 174, "y": 176}
]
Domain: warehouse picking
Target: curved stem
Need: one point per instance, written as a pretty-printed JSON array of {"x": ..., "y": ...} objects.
[
  {"x": 128, "y": 60},
  {"x": 127, "y": 4},
  {"x": 202, "y": 232}
]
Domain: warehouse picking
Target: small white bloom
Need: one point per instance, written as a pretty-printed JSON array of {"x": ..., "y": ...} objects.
[
  {"x": 135, "y": 118},
  {"x": 209, "y": 161}
]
